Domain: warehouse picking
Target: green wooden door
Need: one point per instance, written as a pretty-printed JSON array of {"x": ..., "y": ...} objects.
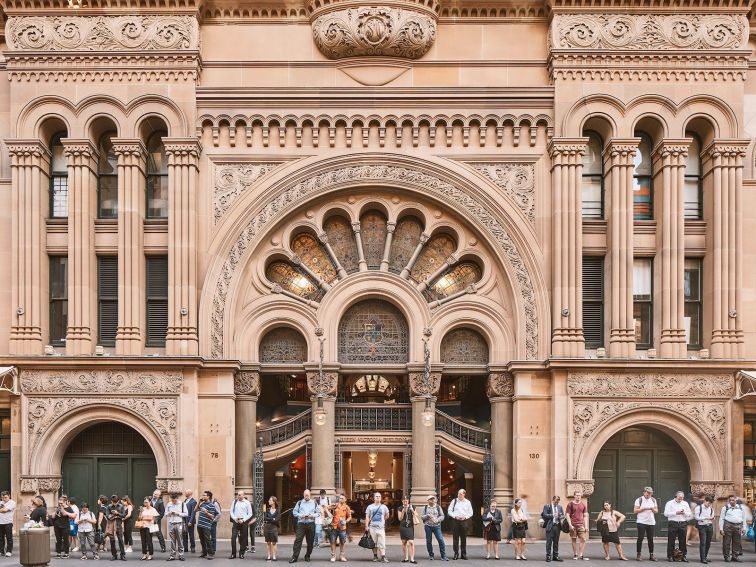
[
  {"x": 630, "y": 460},
  {"x": 143, "y": 473},
  {"x": 79, "y": 479}
]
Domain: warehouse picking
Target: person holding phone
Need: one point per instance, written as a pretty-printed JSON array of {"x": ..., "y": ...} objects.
[{"x": 305, "y": 511}]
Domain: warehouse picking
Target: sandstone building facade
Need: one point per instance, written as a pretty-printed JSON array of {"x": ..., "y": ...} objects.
[{"x": 407, "y": 245}]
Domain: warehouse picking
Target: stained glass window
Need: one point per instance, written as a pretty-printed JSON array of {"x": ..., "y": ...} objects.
[
  {"x": 341, "y": 238},
  {"x": 283, "y": 346},
  {"x": 464, "y": 346},
  {"x": 406, "y": 238},
  {"x": 293, "y": 279},
  {"x": 314, "y": 256},
  {"x": 454, "y": 280},
  {"x": 373, "y": 226},
  {"x": 373, "y": 332},
  {"x": 432, "y": 257}
]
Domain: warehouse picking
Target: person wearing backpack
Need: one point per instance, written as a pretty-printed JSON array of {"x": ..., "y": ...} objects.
[
  {"x": 732, "y": 525},
  {"x": 460, "y": 510},
  {"x": 432, "y": 516},
  {"x": 645, "y": 507},
  {"x": 704, "y": 515}
]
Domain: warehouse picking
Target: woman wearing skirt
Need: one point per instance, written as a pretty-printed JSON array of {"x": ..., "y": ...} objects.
[
  {"x": 519, "y": 528},
  {"x": 271, "y": 523},
  {"x": 407, "y": 520},
  {"x": 608, "y": 522},
  {"x": 492, "y": 520}
]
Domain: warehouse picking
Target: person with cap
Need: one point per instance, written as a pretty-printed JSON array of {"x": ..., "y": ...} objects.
[
  {"x": 432, "y": 515},
  {"x": 645, "y": 507}
]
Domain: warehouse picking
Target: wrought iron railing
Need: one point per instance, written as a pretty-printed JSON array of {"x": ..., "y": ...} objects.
[
  {"x": 287, "y": 430},
  {"x": 461, "y": 431},
  {"x": 374, "y": 418}
]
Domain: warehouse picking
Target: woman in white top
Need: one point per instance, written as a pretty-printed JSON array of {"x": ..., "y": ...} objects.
[
  {"x": 608, "y": 522},
  {"x": 147, "y": 517},
  {"x": 86, "y": 521},
  {"x": 704, "y": 515},
  {"x": 519, "y": 529}
]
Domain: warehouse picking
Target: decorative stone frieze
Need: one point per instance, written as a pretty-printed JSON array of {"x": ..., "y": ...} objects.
[
  {"x": 584, "y": 486},
  {"x": 94, "y": 382},
  {"x": 102, "y": 33},
  {"x": 170, "y": 484},
  {"x": 500, "y": 385},
  {"x": 716, "y": 489},
  {"x": 629, "y": 385},
  {"x": 322, "y": 386},
  {"x": 233, "y": 179},
  {"x": 37, "y": 484},
  {"x": 419, "y": 387},
  {"x": 247, "y": 383},
  {"x": 516, "y": 180}
]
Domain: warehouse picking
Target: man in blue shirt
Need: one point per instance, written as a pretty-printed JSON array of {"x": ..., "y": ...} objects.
[
  {"x": 375, "y": 523},
  {"x": 305, "y": 512},
  {"x": 206, "y": 515}
]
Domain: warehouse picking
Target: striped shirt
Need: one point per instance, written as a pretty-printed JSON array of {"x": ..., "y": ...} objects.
[{"x": 206, "y": 515}]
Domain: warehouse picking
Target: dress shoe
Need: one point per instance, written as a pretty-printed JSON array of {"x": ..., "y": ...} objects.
[
  {"x": 232, "y": 556},
  {"x": 548, "y": 559},
  {"x": 736, "y": 560},
  {"x": 292, "y": 560},
  {"x": 651, "y": 557},
  {"x": 557, "y": 558},
  {"x": 456, "y": 556}
]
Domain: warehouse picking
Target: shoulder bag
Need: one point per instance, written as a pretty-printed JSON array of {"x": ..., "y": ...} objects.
[{"x": 366, "y": 541}]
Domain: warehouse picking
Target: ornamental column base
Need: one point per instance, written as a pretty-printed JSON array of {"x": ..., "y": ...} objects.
[
  {"x": 622, "y": 343},
  {"x": 182, "y": 341},
  {"x": 726, "y": 343},
  {"x": 26, "y": 340},
  {"x": 128, "y": 340},
  {"x": 568, "y": 342},
  {"x": 673, "y": 343},
  {"x": 78, "y": 340}
]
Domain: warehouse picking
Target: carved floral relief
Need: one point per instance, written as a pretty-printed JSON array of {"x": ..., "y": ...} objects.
[
  {"x": 516, "y": 180},
  {"x": 101, "y": 382},
  {"x": 233, "y": 179}
]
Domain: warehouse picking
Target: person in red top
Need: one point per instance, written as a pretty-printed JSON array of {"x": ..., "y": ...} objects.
[
  {"x": 577, "y": 516},
  {"x": 342, "y": 515}
]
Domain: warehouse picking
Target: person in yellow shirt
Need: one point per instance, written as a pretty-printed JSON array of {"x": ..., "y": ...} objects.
[{"x": 342, "y": 515}]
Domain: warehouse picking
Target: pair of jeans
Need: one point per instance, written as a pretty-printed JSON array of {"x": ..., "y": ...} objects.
[
  {"x": 61, "y": 539},
  {"x": 705, "y": 535},
  {"x": 239, "y": 532},
  {"x": 86, "y": 540},
  {"x": 146, "y": 537},
  {"x": 552, "y": 541},
  {"x": 159, "y": 533},
  {"x": 6, "y": 538},
  {"x": 648, "y": 531},
  {"x": 206, "y": 541},
  {"x": 677, "y": 531},
  {"x": 431, "y": 531},
  {"x": 175, "y": 534},
  {"x": 459, "y": 536},
  {"x": 731, "y": 539},
  {"x": 117, "y": 534},
  {"x": 318, "y": 533},
  {"x": 305, "y": 530},
  {"x": 188, "y": 537}
]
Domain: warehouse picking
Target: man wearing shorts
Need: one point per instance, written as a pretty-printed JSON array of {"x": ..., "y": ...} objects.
[
  {"x": 342, "y": 515},
  {"x": 375, "y": 522},
  {"x": 577, "y": 516}
]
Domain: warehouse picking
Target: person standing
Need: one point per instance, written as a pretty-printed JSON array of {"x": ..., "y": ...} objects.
[
  {"x": 38, "y": 512},
  {"x": 102, "y": 519},
  {"x": 645, "y": 509},
  {"x": 460, "y": 510},
  {"x": 695, "y": 501},
  {"x": 432, "y": 517},
  {"x": 704, "y": 516},
  {"x": 305, "y": 512},
  {"x": 207, "y": 512},
  {"x": 322, "y": 501},
  {"x": 407, "y": 520},
  {"x": 677, "y": 512},
  {"x": 188, "y": 534},
  {"x": 608, "y": 522},
  {"x": 375, "y": 523},
  {"x": 342, "y": 515},
  {"x": 159, "y": 505},
  {"x": 577, "y": 517},
  {"x": 552, "y": 516},
  {"x": 732, "y": 525},
  {"x": 271, "y": 524},
  {"x": 115, "y": 513},
  {"x": 239, "y": 515},
  {"x": 7, "y": 509},
  {"x": 519, "y": 528},
  {"x": 128, "y": 522},
  {"x": 214, "y": 527},
  {"x": 60, "y": 519},
  {"x": 147, "y": 517},
  {"x": 252, "y": 524},
  {"x": 73, "y": 528},
  {"x": 492, "y": 520},
  {"x": 175, "y": 511},
  {"x": 86, "y": 523}
]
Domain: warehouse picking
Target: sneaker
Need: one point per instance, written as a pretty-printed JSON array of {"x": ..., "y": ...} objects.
[
  {"x": 83, "y": 557},
  {"x": 583, "y": 558},
  {"x": 7, "y": 553},
  {"x": 128, "y": 549},
  {"x": 385, "y": 559},
  {"x": 333, "y": 558}
]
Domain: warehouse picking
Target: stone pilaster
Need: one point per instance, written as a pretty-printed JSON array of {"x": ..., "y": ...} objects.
[
  {"x": 618, "y": 165},
  {"x": 30, "y": 167},
  {"x": 183, "y": 171},
  {"x": 500, "y": 389},
  {"x": 246, "y": 392},
  {"x": 82, "y": 159},
  {"x": 669, "y": 168},
  {"x": 323, "y": 390},
  {"x": 567, "y": 236},
  {"x": 132, "y": 157},
  {"x": 723, "y": 164},
  {"x": 423, "y": 396}
]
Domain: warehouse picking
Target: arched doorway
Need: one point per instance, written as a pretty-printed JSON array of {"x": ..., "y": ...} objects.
[
  {"x": 631, "y": 459},
  {"x": 108, "y": 458}
]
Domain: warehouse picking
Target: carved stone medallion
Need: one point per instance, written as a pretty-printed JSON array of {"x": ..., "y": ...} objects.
[
  {"x": 419, "y": 387},
  {"x": 500, "y": 385},
  {"x": 247, "y": 383}
]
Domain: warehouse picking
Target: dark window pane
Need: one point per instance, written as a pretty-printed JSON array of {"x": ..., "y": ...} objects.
[
  {"x": 157, "y": 196},
  {"x": 642, "y": 316},
  {"x": 58, "y": 299},
  {"x": 107, "y": 299},
  {"x": 692, "y": 198},
  {"x": 157, "y": 300},
  {"x": 108, "y": 197}
]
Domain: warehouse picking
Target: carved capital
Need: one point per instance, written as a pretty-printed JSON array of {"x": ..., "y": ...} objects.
[
  {"x": 26, "y": 148},
  {"x": 247, "y": 383},
  {"x": 584, "y": 486},
  {"x": 419, "y": 387},
  {"x": 567, "y": 147},
  {"x": 390, "y": 227},
  {"x": 74, "y": 149},
  {"x": 324, "y": 386},
  {"x": 727, "y": 149},
  {"x": 129, "y": 148},
  {"x": 182, "y": 148},
  {"x": 356, "y": 227},
  {"x": 500, "y": 385}
]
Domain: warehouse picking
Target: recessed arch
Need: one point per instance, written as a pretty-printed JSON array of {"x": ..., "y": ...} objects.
[
  {"x": 463, "y": 346},
  {"x": 282, "y": 345},
  {"x": 373, "y": 331}
]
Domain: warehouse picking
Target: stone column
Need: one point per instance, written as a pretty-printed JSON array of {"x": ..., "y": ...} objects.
[
  {"x": 183, "y": 171},
  {"x": 323, "y": 446},
  {"x": 132, "y": 157},
  {"x": 423, "y": 436},
  {"x": 500, "y": 389},
  {"x": 357, "y": 229},
  {"x": 30, "y": 167},
  {"x": 618, "y": 165},
  {"x": 390, "y": 228},
  {"x": 82, "y": 159},
  {"x": 669, "y": 180},
  {"x": 246, "y": 391},
  {"x": 567, "y": 236},
  {"x": 723, "y": 163}
]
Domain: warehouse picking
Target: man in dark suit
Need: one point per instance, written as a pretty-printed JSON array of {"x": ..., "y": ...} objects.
[
  {"x": 159, "y": 505},
  {"x": 189, "y": 521},
  {"x": 552, "y": 516}
]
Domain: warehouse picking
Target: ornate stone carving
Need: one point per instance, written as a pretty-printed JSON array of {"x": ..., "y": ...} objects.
[
  {"x": 37, "y": 484},
  {"x": 233, "y": 179},
  {"x": 247, "y": 383},
  {"x": 348, "y": 176},
  {"x": 161, "y": 414},
  {"x": 584, "y": 486},
  {"x": 418, "y": 386},
  {"x": 102, "y": 33},
  {"x": 112, "y": 382},
  {"x": 651, "y": 385},
  {"x": 374, "y": 30},
  {"x": 169, "y": 484},
  {"x": 649, "y": 31},
  {"x": 716, "y": 489},
  {"x": 517, "y": 180},
  {"x": 324, "y": 386},
  {"x": 500, "y": 385},
  {"x": 28, "y": 485}
]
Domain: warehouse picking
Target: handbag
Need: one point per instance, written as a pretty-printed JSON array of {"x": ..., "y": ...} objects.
[
  {"x": 99, "y": 538},
  {"x": 139, "y": 524},
  {"x": 154, "y": 528},
  {"x": 366, "y": 541},
  {"x": 565, "y": 527}
]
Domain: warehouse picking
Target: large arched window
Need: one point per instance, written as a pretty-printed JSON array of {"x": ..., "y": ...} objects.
[
  {"x": 58, "y": 178},
  {"x": 107, "y": 178},
  {"x": 593, "y": 178},
  {"x": 283, "y": 346},
  {"x": 643, "y": 189},
  {"x": 373, "y": 332},
  {"x": 693, "y": 181},
  {"x": 157, "y": 176},
  {"x": 464, "y": 347}
]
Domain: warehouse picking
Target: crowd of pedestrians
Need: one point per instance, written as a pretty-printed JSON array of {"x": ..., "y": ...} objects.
[{"x": 323, "y": 521}]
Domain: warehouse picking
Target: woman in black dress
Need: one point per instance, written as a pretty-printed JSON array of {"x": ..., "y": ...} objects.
[
  {"x": 519, "y": 528},
  {"x": 407, "y": 520},
  {"x": 492, "y": 520},
  {"x": 271, "y": 523}
]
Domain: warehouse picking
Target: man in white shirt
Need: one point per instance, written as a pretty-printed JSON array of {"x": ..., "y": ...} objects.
[
  {"x": 732, "y": 525},
  {"x": 176, "y": 513},
  {"x": 240, "y": 514},
  {"x": 460, "y": 510},
  {"x": 704, "y": 514},
  {"x": 646, "y": 507},
  {"x": 678, "y": 513},
  {"x": 7, "y": 508}
]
